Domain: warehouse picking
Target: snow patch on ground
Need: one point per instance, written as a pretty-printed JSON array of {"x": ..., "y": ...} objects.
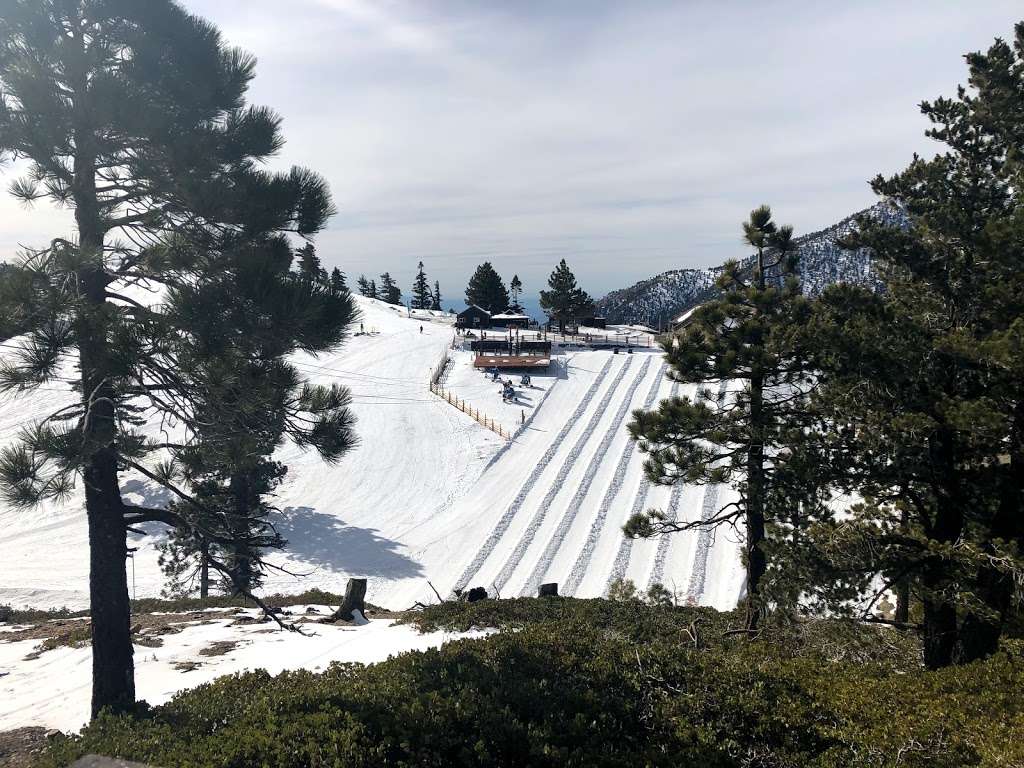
[{"x": 53, "y": 690}]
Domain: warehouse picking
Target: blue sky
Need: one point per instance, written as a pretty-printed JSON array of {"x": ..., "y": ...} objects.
[{"x": 628, "y": 138}]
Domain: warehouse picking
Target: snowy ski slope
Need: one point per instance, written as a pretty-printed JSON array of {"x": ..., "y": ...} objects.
[{"x": 429, "y": 494}]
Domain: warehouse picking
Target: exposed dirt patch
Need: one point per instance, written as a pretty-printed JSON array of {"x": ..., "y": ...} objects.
[
  {"x": 76, "y": 633},
  {"x": 21, "y": 746},
  {"x": 219, "y": 648}
]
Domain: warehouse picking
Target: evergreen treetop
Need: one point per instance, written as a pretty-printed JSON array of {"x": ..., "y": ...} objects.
[
  {"x": 388, "y": 290},
  {"x": 421, "y": 295},
  {"x": 486, "y": 289},
  {"x": 564, "y": 301},
  {"x": 515, "y": 288}
]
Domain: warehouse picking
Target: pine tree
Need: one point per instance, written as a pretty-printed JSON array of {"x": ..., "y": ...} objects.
[
  {"x": 17, "y": 305},
  {"x": 435, "y": 299},
  {"x": 515, "y": 288},
  {"x": 565, "y": 301},
  {"x": 371, "y": 290},
  {"x": 486, "y": 289},
  {"x": 744, "y": 336},
  {"x": 421, "y": 297},
  {"x": 337, "y": 282},
  {"x": 922, "y": 396},
  {"x": 364, "y": 287},
  {"x": 160, "y": 178},
  {"x": 249, "y": 399},
  {"x": 389, "y": 290},
  {"x": 309, "y": 264}
]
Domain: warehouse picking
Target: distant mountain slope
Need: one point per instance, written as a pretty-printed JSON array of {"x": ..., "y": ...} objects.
[{"x": 655, "y": 301}]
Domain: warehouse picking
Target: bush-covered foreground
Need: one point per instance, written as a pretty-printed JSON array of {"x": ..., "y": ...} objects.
[{"x": 596, "y": 683}]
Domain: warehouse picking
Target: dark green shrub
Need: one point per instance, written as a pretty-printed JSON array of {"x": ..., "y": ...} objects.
[{"x": 593, "y": 683}]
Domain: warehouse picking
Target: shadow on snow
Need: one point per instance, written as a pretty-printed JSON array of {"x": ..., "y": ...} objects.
[{"x": 326, "y": 541}]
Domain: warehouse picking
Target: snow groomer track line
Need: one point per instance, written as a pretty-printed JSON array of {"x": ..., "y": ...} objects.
[
  {"x": 572, "y": 510},
  {"x": 502, "y": 526},
  {"x": 579, "y": 568},
  {"x": 621, "y": 563},
  {"x": 557, "y": 486}
]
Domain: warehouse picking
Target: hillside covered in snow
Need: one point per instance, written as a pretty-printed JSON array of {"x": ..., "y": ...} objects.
[
  {"x": 656, "y": 301},
  {"x": 429, "y": 494}
]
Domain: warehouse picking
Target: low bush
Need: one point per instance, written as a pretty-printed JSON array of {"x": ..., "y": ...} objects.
[
  {"x": 11, "y": 615},
  {"x": 592, "y": 683}
]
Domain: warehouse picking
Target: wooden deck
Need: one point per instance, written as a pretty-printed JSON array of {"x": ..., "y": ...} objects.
[{"x": 511, "y": 361}]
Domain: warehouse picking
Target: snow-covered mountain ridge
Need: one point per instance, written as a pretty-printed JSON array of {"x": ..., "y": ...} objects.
[{"x": 655, "y": 301}]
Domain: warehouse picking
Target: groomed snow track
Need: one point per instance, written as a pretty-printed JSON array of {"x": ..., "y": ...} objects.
[
  {"x": 564, "y": 521},
  {"x": 429, "y": 495}
]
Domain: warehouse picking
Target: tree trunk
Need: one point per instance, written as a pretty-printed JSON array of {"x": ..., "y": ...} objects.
[
  {"x": 113, "y": 669},
  {"x": 940, "y": 632},
  {"x": 241, "y": 557},
  {"x": 754, "y": 512},
  {"x": 940, "y": 614},
  {"x": 902, "y": 587},
  {"x": 355, "y": 599},
  {"x": 979, "y": 635},
  {"x": 902, "y": 614},
  {"x": 204, "y": 570}
]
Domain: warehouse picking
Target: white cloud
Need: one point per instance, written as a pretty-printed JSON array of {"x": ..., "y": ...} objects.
[{"x": 628, "y": 138}]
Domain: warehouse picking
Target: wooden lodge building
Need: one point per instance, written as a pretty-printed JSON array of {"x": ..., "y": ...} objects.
[{"x": 473, "y": 317}]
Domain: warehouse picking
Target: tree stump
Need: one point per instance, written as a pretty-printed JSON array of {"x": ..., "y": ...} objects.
[
  {"x": 355, "y": 596},
  {"x": 548, "y": 590},
  {"x": 476, "y": 593}
]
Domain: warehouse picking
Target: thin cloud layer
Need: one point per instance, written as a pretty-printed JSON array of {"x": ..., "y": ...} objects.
[{"x": 628, "y": 138}]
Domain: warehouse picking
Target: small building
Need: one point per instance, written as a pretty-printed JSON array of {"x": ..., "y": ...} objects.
[
  {"x": 684, "y": 319},
  {"x": 594, "y": 322},
  {"x": 473, "y": 317},
  {"x": 508, "y": 319}
]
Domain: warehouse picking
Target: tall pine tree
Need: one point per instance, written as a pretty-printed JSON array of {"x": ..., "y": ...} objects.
[
  {"x": 241, "y": 326},
  {"x": 515, "y": 289},
  {"x": 160, "y": 178},
  {"x": 421, "y": 297},
  {"x": 309, "y": 264},
  {"x": 922, "y": 396},
  {"x": 435, "y": 299},
  {"x": 337, "y": 282},
  {"x": 486, "y": 290},
  {"x": 388, "y": 290},
  {"x": 564, "y": 301},
  {"x": 741, "y": 339}
]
